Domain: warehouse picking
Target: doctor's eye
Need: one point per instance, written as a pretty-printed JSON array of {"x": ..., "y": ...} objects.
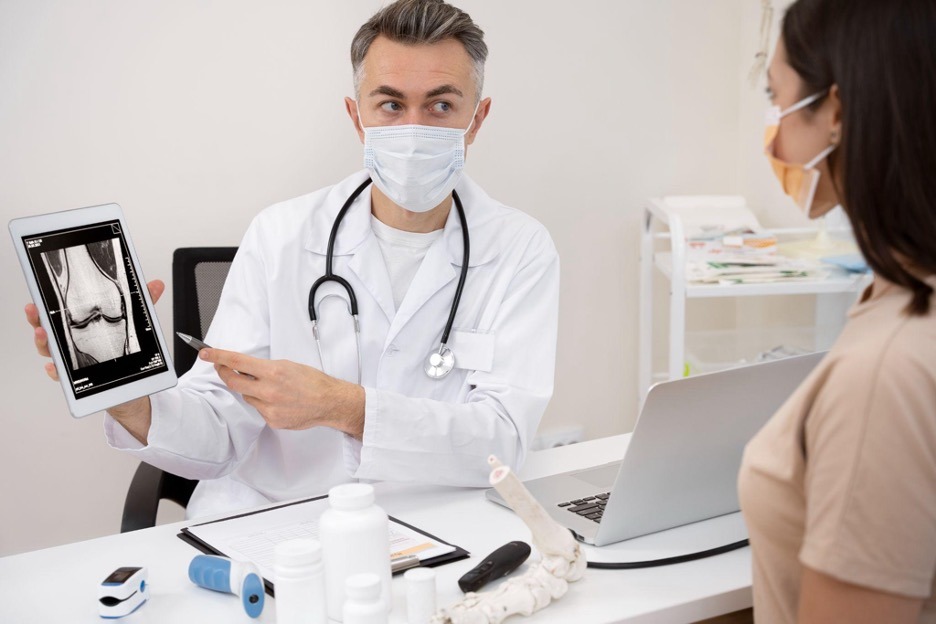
[
  {"x": 441, "y": 107},
  {"x": 770, "y": 93},
  {"x": 391, "y": 107}
]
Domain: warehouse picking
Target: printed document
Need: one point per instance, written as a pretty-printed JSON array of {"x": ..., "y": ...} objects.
[{"x": 253, "y": 537}]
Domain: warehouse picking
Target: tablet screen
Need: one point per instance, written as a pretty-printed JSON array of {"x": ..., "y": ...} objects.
[{"x": 91, "y": 291}]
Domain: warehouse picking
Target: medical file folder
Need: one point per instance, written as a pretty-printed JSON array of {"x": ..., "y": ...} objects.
[{"x": 252, "y": 536}]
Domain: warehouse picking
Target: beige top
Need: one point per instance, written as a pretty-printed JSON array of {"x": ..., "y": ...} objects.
[{"x": 843, "y": 477}]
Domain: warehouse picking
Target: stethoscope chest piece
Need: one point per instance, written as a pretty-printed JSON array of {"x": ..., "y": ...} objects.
[{"x": 440, "y": 363}]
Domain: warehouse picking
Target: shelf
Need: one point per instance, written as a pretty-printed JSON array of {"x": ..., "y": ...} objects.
[
  {"x": 665, "y": 225},
  {"x": 837, "y": 282}
]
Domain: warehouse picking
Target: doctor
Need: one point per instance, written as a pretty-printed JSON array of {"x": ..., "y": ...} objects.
[{"x": 273, "y": 414}]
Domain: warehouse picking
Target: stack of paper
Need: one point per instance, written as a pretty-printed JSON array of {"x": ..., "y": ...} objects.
[
  {"x": 727, "y": 270},
  {"x": 744, "y": 257}
]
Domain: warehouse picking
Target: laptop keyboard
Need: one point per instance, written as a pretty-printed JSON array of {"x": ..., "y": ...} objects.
[{"x": 590, "y": 507}]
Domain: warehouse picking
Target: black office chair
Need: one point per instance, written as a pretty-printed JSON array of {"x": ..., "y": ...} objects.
[{"x": 198, "y": 275}]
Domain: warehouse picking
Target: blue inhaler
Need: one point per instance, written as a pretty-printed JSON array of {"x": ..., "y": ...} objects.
[{"x": 231, "y": 577}]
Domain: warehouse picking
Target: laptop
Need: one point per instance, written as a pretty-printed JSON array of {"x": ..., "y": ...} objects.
[{"x": 681, "y": 465}]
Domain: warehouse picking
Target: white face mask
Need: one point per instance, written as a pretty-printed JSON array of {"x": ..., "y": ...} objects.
[{"x": 415, "y": 166}]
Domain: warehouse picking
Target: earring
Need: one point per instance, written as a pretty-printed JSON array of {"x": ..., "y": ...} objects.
[{"x": 834, "y": 137}]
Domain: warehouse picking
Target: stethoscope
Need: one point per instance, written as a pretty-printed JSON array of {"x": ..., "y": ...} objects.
[{"x": 440, "y": 362}]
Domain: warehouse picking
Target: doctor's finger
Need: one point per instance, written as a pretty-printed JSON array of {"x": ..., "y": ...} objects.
[
  {"x": 32, "y": 314},
  {"x": 51, "y": 372},
  {"x": 237, "y": 361},
  {"x": 242, "y": 384},
  {"x": 41, "y": 338},
  {"x": 156, "y": 288},
  {"x": 258, "y": 404}
]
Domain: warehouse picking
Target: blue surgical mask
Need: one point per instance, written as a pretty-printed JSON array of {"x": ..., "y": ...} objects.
[{"x": 415, "y": 166}]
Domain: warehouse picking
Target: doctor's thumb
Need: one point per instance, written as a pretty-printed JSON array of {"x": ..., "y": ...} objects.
[{"x": 156, "y": 289}]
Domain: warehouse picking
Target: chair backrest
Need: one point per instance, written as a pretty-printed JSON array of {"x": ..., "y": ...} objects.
[{"x": 198, "y": 275}]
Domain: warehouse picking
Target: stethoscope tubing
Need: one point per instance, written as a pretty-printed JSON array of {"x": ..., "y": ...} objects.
[
  {"x": 330, "y": 276},
  {"x": 330, "y": 255},
  {"x": 466, "y": 254}
]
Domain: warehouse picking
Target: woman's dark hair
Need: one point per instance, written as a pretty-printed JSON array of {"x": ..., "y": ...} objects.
[{"x": 882, "y": 56}]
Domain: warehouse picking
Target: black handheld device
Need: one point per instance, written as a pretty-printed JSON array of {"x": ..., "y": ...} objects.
[{"x": 498, "y": 564}]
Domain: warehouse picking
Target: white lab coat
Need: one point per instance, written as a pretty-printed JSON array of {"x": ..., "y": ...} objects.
[{"x": 416, "y": 428}]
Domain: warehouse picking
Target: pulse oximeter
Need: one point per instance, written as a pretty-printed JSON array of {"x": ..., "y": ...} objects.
[{"x": 122, "y": 592}]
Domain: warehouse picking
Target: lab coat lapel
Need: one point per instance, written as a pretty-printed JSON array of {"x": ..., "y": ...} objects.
[
  {"x": 355, "y": 238},
  {"x": 371, "y": 270},
  {"x": 444, "y": 259},
  {"x": 434, "y": 273}
]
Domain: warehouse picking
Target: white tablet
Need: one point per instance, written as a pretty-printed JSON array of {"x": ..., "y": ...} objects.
[{"x": 84, "y": 276}]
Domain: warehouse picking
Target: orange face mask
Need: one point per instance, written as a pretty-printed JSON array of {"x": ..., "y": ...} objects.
[{"x": 798, "y": 181}]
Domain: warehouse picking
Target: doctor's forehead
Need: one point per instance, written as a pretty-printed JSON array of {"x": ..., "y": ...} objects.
[{"x": 417, "y": 71}]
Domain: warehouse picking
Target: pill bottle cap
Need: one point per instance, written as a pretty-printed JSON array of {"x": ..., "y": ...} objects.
[
  {"x": 351, "y": 496},
  {"x": 420, "y": 577},
  {"x": 364, "y": 587},
  {"x": 298, "y": 552}
]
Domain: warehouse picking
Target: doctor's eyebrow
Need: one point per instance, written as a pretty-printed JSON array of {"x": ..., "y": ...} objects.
[
  {"x": 396, "y": 93},
  {"x": 444, "y": 90},
  {"x": 388, "y": 91}
]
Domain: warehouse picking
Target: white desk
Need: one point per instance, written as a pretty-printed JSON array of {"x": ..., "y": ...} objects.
[{"x": 59, "y": 584}]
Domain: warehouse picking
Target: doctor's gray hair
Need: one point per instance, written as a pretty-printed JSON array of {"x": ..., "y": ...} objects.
[{"x": 420, "y": 22}]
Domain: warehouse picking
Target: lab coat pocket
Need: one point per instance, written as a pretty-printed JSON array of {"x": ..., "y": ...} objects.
[{"x": 473, "y": 350}]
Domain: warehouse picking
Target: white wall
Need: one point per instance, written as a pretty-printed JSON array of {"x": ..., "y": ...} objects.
[{"x": 194, "y": 116}]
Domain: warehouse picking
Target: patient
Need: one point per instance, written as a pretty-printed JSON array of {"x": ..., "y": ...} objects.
[{"x": 839, "y": 488}]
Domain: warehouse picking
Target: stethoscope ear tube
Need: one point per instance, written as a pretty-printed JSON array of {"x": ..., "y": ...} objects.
[{"x": 330, "y": 255}]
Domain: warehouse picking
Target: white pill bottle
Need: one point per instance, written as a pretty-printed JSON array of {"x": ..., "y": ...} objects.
[
  {"x": 300, "y": 582},
  {"x": 363, "y": 604},
  {"x": 355, "y": 538}
]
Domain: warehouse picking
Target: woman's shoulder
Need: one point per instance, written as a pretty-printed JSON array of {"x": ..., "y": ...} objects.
[{"x": 889, "y": 353}]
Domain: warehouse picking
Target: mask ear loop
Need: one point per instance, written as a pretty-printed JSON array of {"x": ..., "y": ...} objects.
[
  {"x": 473, "y": 116},
  {"x": 357, "y": 107},
  {"x": 810, "y": 167},
  {"x": 806, "y": 101},
  {"x": 822, "y": 155}
]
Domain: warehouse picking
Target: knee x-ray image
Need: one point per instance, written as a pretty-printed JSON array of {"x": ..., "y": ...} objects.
[{"x": 93, "y": 293}]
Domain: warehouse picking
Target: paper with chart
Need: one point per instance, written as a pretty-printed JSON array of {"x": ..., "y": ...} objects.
[{"x": 253, "y": 537}]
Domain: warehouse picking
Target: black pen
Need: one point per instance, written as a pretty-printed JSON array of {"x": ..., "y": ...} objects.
[
  {"x": 198, "y": 345},
  {"x": 193, "y": 342}
]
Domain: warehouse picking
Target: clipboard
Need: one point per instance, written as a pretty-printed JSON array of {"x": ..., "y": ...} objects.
[{"x": 190, "y": 538}]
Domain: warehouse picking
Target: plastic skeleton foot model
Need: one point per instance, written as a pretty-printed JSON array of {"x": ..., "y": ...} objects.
[{"x": 562, "y": 562}]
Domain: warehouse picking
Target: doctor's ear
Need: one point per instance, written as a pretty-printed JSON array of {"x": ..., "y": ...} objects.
[
  {"x": 484, "y": 108},
  {"x": 351, "y": 107}
]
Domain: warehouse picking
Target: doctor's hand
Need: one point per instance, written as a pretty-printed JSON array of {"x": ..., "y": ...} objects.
[
  {"x": 290, "y": 395},
  {"x": 41, "y": 338}
]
